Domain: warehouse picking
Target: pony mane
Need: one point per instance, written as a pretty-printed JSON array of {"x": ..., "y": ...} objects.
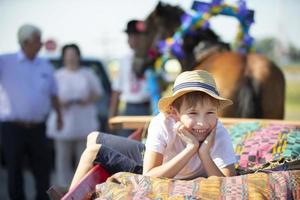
[{"x": 168, "y": 14}]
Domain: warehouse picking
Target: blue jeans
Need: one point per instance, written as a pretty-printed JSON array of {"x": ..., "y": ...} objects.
[{"x": 119, "y": 154}]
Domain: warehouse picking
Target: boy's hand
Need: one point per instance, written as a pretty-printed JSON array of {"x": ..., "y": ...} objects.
[
  {"x": 208, "y": 143},
  {"x": 185, "y": 135}
]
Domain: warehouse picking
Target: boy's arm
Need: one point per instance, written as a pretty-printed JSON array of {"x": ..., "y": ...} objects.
[
  {"x": 209, "y": 165},
  {"x": 212, "y": 169},
  {"x": 153, "y": 162}
]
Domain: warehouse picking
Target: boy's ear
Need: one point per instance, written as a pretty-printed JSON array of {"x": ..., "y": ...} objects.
[{"x": 174, "y": 113}]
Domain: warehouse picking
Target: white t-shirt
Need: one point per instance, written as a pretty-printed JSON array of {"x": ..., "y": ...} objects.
[
  {"x": 163, "y": 139},
  {"x": 78, "y": 120},
  {"x": 132, "y": 88}
]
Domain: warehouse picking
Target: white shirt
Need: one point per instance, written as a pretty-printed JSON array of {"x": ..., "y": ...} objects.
[
  {"x": 26, "y": 88},
  {"x": 78, "y": 120},
  {"x": 133, "y": 89},
  {"x": 163, "y": 139}
]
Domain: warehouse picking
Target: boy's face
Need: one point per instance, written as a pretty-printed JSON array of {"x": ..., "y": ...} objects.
[{"x": 199, "y": 119}]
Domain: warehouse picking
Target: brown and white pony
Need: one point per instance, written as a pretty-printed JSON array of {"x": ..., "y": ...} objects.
[{"x": 254, "y": 83}]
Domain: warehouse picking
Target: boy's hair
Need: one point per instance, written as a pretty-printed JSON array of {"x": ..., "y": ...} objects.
[{"x": 192, "y": 98}]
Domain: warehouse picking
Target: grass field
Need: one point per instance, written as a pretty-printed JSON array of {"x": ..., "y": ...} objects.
[{"x": 292, "y": 103}]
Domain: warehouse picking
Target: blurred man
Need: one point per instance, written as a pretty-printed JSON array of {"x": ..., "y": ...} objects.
[
  {"x": 28, "y": 91},
  {"x": 130, "y": 85}
]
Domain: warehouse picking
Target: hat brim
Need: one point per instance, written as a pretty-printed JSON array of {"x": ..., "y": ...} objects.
[{"x": 165, "y": 102}]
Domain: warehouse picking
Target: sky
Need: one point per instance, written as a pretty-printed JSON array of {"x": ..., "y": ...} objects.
[{"x": 97, "y": 25}]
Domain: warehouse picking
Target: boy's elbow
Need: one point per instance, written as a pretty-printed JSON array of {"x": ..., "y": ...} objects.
[
  {"x": 229, "y": 171},
  {"x": 148, "y": 172}
]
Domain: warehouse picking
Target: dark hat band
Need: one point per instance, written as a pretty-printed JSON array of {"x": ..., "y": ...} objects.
[{"x": 195, "y": 84}]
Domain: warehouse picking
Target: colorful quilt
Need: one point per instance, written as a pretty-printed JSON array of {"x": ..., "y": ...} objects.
[
  {"x": 268, "y": 161},
  {"x": 276, "y": 185},
  {"x": 256, "y": 144}
]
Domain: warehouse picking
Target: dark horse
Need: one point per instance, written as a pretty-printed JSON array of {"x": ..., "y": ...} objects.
[{"x": 254, "y": 83}]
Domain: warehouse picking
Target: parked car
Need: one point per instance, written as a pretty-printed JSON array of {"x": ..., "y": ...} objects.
[{"x": 103, "y": 103}]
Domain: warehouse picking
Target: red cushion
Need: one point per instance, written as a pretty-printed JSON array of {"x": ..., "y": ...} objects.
[{"x": 85, "y": 188}]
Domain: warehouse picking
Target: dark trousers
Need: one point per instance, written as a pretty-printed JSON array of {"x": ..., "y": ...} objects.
[
  {"x": 119, "y": 154},
  {"x": 18, "y": 142}
]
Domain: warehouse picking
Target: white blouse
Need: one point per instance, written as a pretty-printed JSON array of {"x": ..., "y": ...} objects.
[{"x": 78, "y": 120}]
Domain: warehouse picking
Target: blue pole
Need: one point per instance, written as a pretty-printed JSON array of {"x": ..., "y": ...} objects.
[{"x": 153, "y": 86}]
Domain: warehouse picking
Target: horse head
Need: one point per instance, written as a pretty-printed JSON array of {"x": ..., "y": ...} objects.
[{"x": 163, "y": 22}]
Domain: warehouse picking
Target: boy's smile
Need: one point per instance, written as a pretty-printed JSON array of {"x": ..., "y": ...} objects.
[{"x": 200, "y": 134}]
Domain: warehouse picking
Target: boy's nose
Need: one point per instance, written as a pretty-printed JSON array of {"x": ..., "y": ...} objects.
[{"x": 199, "y": 123}]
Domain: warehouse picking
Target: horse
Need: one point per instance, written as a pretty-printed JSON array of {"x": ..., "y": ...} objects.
[{"x": 253, "y": 82}]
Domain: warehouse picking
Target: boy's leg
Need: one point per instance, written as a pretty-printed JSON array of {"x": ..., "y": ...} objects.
[
  {"x": 92, "y": 138},
  {"x": 114, "y": 161},
  {"x": 130, "y": 148},
  {"x": 115, "y": 153},
  {"x": 79, "y": 148},
  {"x": 85, "y": 162}
]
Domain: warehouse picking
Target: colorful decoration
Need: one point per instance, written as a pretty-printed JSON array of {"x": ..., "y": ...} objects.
[{"x": 243, "y": 43}]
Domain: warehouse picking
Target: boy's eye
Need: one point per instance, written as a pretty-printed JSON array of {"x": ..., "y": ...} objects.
[
  {"x": 211, "y": 112},
  {"x": 193, "y": 113}
]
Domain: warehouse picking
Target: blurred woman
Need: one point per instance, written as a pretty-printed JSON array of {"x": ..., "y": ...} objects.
[{"x": 78, "y": 90}]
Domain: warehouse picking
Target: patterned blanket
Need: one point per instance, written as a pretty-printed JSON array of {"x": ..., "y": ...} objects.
[
  {"x": 276, "y": 185},
  {"x": 256, "y": 144},
  {"x": 258, "y": 147}
]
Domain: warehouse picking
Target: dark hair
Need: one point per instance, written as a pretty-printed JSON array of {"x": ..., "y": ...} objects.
[
  {"x": 135, "y": 27},
  {"x": 72, "y": 46},
  {"x": 192, "y": 98}
]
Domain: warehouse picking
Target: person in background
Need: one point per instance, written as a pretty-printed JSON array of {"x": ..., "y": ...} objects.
[
  {"x": 28, "y": 90},
  {"x": 130, "y": 86},
  {"x": 78, "y": 89}
]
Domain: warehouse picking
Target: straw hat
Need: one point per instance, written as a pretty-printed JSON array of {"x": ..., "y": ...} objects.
[{"x": 191, "y": 81}]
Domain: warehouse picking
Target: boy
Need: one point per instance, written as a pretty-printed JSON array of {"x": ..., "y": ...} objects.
[{"x": 185, "y": 140}]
